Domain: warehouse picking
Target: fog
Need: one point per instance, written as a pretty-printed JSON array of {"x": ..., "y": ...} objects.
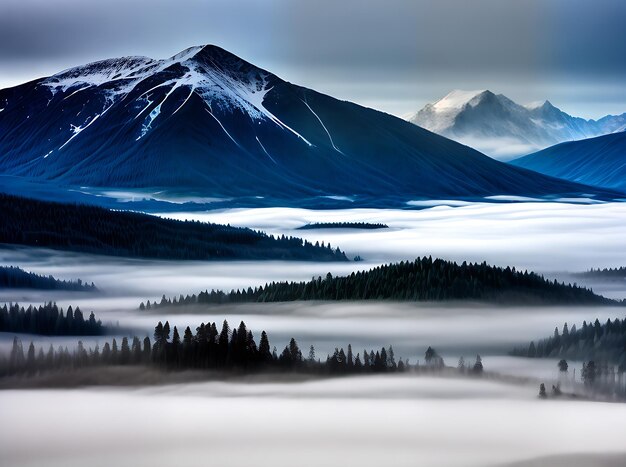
[
  {"x": 366, "y": 421},
  {"x": 543, "y": 236},
  {"x": 375, "y": 420},
  {"x": 553, "y": 238}
]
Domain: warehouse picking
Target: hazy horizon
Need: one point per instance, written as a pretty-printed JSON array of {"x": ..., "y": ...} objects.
[{"x": 570, "y": 54}]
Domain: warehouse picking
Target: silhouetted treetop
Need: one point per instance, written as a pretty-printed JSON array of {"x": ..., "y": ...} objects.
[{"x": 49, "y": 320}]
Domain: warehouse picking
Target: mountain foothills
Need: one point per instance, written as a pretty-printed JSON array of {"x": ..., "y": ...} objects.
[
  {"x": 597, "y": 161},
  {"x": 499, "y": 127},
  {"x": 207, "y": 122}
]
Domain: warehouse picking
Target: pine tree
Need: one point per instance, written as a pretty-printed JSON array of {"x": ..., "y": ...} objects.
[
  {"x": 478, "y": 365},
  {"x": 125, "y": 352},
  {"x": 265, "y": 354},
  {"x": 31, "y": 363}
]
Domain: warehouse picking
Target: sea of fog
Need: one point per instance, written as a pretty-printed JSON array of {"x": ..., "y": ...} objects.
[
  {"x": 542, "y": 236},
  {"x": 390, "y": 420},
  {"x": 365, "y": 421}
]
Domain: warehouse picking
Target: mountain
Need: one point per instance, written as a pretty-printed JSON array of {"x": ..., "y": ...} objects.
[
  {"x": 207, "y": 123},
  {"x": 599, "y": 161},
  {"x": 499, "y": 127}
]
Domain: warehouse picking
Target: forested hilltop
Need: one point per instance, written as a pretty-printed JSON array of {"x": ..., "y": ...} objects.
[
  {"x": 12, "y": 277},
  {"x": 91, "y": 229},
  {"x": 424, "y": 279}
]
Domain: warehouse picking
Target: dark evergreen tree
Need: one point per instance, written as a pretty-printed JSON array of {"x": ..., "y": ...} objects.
[
  {"x": 125, "y": 352},
  {"x": 478, "y": 365}
]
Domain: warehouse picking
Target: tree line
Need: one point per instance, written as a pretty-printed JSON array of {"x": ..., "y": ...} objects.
[
  {"x": 343, "y": 225},
  {"x": 228, "y": 350},
  {"x": 12, "y": 277},
  {"x": 49, "y": 320},
  {"x": 424, "y": 279},
  {"x": 608, "y": 273},
  {"x": 600, "y": 342},
  {"x": 92, "y": 229}
]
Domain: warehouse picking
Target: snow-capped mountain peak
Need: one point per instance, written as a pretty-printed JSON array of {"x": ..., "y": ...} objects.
[
  {"x": 501, "y": 128},
  {"x": 221, "y": 79},
  {"x": 440, "y": 115},
  {"x": 206, "y": 121}
]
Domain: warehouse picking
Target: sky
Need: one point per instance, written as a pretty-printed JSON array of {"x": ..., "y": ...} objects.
[{"x": 393, "y": 55}]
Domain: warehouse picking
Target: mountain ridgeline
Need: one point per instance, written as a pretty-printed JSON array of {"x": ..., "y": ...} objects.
[
  {"x": 424, "y": 279},
  {"x": 96, "y": 230},
  {"x": 209, "y": 123},
  {"x": 597, "y": 161}
]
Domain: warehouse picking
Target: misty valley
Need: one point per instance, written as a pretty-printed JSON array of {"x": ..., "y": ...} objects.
[
  {"x": 318, "y": 234},
  {"x": 386, "y": 331}
]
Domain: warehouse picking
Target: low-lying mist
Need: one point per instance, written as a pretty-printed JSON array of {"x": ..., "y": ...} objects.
[
  {"x": 368, "y": 421},
  {"x": 399, "y": 420},
  {"x": 541, "y": 236}
]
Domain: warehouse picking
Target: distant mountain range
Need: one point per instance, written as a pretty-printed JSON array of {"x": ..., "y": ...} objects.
[
  {"x": 599, "y": 161},
  {"x": 497, "y": 126},
  {"x": 207, "y": 123}
]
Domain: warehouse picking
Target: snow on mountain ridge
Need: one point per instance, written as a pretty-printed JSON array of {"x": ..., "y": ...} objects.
[
  {"x": 208, "y": 123},
  {"x": 456, "y": 100},
  {"x": 535, "y": 105},
  {"x": 498, "y": 126},
  {"x": 441, "y": 115},
  {"x": 221, "y": 79}
]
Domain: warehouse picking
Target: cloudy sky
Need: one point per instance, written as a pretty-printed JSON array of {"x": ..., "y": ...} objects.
[{"x": 394, "y": 55}]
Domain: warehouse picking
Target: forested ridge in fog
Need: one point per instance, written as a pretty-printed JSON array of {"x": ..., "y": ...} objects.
[
  {"x": 12, "y": 277},
  {"x": 48, "y": 320},
  {"x": 91, "y": 229},
  {"x": 424, "y": 279}
]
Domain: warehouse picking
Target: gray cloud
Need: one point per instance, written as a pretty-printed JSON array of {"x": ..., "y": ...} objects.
[{"x": 394, "y": 55}]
